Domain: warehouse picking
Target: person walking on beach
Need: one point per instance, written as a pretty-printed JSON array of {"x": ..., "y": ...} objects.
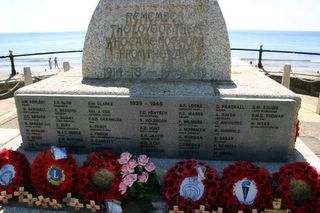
[
  {"x": 56, "y": 65},
  {"x": 50, "y": 63}
]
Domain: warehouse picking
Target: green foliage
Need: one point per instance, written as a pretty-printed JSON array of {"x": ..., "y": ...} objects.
[{"x": 147, "y": 190}]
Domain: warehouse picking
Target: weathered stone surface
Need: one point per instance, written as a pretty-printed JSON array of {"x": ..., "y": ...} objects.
[
  {"x": 240, "y": 120},
  {"x": 160, "y": 40}
]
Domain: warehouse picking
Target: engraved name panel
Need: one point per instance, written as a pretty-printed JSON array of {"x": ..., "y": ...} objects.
[{"x": 211, "y": 128}]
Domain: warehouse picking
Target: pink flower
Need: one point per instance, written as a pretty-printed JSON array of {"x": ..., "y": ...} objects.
[
  {"x": 150, "y": 167},
  {"x": 143, "y": 160},
  {"x": 132, "y": 164},
  {"x": 130, "y": 179},
  {"x": 129, "y": 167},
  {"x": 124, "y": 158},
  {"x": 143, "y": 178},
  {"x": 123, "y": 188},
  {"x": 125, "y": 170}
]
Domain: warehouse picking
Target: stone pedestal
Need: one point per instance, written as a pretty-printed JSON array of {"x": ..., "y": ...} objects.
[
  {"x": 249, "y": 118},
  {"x": 157, "y": 40}
]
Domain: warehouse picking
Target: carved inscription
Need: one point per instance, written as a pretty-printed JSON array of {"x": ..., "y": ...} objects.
[
  {"x": 212, "y": 129},
  {"x": 152, "y": 119},
  {"x": 68, "y": 131},
  {"x": 102, "y": 123},
  {"x": 265, "y": 117},
  {"x": 35, "y": 121},
  {"x": 163, "y": 37},
  {"x": 192, "y": 126},
  {"x": 227, "y": 128}
]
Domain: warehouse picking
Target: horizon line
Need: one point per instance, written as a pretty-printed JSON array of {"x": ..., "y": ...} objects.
[{"x": 84, "y": 31}]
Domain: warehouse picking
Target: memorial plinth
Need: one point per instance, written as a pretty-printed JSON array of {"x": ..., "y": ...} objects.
[{"x": 250, "y": 118}]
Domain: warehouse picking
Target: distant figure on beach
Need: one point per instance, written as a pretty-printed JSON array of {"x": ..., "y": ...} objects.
[
  {"x": 50, "y": 63},
  {"x": 56, "y": 65}
]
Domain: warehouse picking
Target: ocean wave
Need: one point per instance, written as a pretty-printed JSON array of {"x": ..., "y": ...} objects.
[
  {"x": 31, "y": 60},
  {"x": 38, "y": 60},
  {"x": 279, "y": 60}
]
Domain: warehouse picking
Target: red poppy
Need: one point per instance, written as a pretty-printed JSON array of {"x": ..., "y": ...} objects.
[
  {"x": 14, "y": 170},
  {"x": 53, "y": 178},
  {"x": 298, "y": 186},
  {"x": 93, "y": 175},
  {"x": 182, "y": 188},
  {"x": 245, "y": 187}
]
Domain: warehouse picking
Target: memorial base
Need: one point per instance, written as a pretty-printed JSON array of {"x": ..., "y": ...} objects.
[{"x": 249, "y": 118}]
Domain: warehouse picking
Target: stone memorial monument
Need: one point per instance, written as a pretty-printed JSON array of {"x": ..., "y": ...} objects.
[
  {"x": 157, "y": 40},
  {"x": 157, "y": 79}
]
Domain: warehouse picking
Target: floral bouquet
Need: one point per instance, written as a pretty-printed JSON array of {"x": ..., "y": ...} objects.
[{"x": 139, "y": 179}]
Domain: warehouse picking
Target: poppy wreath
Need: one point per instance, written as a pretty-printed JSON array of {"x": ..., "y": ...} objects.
[
  {"x": 99, "y": 178},
  {"x": 182, "y": 187},
  {"x": 298, "y": 186},
  {"x": 14, "y": 170},
  {"x": 245, "y": 187},
  {"x": 53, "y": 178}
]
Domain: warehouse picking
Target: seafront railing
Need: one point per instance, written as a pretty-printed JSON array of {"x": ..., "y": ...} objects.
[
  {"x": 11, "y": 56},
  {"x": 261, "y": 50}
]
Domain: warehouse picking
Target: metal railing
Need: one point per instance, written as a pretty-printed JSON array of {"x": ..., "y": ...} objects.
[
  {"x": 260, "y": 51},
  {"x": 11, "y": 57}
]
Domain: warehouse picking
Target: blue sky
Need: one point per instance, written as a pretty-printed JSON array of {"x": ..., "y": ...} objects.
[{"x": 74, "y": 15}]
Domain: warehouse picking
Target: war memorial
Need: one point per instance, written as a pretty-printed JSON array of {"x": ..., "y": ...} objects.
[
  {"x": 157, "y": 79},
  {"x": 157, "y": 82}
]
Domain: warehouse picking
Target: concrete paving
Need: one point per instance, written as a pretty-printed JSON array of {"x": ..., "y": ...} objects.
[
  {"x": 5, "y": 78},
  {"x": 310, "y": 123},
  {"x": 8, "y": 114}
]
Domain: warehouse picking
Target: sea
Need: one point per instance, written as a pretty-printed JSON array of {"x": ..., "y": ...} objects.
[{"x": 26, "y": 43}]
